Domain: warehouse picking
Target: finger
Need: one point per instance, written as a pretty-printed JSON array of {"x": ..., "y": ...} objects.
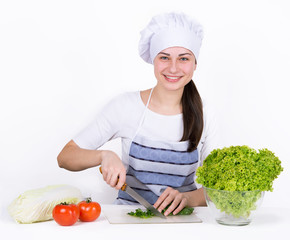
[
  {"x": 174, "y": 204},
  {"x": 107, "y": 174},
  {"x": 181, "y": 205},
  {"x": 160, "y": 200},
  {"x": 108, "y": 179},
  {"x": 113, "y": 180},
  {"x": 167, "y": 201},
  {"x": 162, "y": 197},
  {"x": 172, "y": 199},
  {"x": 122, "y": 180},
  {"x": 104, "y": 174}
]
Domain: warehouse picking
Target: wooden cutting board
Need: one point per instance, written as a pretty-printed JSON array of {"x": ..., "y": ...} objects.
[{"x": 117, "y": 214}]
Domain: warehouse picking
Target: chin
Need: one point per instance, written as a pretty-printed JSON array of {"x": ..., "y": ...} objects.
[{"x": 173, "y": 86}]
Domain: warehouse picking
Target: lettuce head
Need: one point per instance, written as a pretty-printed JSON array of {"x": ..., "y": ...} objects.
[
  {"x": 236, "y": 177},
  {"x": 239, "y": 168}
]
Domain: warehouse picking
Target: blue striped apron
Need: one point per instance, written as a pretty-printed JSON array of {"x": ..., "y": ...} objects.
[{"x": 158, "y": 165}]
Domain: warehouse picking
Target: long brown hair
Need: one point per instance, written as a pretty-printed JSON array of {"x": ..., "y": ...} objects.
[{"x": 192, "y": 115}]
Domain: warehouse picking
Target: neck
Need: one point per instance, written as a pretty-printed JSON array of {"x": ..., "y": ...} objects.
[{"x": 166, "y": 102}]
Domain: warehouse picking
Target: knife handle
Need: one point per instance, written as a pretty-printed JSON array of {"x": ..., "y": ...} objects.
[{"x": 123, "y": 188}]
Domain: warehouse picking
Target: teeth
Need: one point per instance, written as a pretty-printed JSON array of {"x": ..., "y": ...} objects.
[{"x": 172, "y": 77}]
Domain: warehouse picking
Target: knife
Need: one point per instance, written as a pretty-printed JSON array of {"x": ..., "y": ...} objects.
[{"x": 140, "y": 199}]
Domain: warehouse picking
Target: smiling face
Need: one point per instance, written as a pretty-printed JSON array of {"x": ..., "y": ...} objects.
[{"x": 174, "y": 67}]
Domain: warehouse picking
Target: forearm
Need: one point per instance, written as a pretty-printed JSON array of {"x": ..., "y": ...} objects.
[
  {"x": 195, "y": 198},
  {"x": 74, "y": 158}
]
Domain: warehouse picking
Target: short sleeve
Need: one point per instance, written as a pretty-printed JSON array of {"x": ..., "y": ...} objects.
[{"x": 104, "y": 128}]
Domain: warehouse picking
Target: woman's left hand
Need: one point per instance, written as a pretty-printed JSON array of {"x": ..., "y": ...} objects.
[{"x": 177, "y": 199}]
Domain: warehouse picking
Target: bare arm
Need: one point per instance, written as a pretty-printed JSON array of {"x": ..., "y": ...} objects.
[
  {"x": 74, "y": 158},
  {"x": 195, "y": 198}
]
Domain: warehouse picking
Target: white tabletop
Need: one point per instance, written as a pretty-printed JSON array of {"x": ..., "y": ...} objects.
[{"x": 269, "y": 223}]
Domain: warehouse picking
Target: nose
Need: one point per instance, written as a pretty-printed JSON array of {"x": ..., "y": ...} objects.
[{"x": 173, "y": 67}]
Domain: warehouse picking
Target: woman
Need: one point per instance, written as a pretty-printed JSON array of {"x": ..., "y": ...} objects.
[{"x": 165, "y": 130}]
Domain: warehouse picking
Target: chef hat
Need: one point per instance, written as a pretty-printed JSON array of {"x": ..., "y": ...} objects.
[{"x": 170, "y": 30}]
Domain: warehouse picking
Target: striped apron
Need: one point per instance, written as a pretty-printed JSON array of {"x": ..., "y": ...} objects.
[{"x": 158, "y": 165}]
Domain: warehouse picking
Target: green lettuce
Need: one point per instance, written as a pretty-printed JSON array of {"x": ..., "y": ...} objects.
[
  {"x": 235, "y": 203},
  {"x": 238, "y": 169}
]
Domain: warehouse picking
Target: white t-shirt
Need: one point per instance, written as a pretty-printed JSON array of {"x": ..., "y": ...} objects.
[{"x": 121, "y": 118}]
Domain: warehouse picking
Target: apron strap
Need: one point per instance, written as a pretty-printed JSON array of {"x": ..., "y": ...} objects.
[{"x": 143, "y": 115}]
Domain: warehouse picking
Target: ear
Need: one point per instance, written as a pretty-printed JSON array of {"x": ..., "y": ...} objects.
[
  {"x": 195, "y": 63},
  {"x": 194, "y": 68}
]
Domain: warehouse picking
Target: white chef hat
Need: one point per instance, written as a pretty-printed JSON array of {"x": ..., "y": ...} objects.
[{"x": 170, "y": 30}]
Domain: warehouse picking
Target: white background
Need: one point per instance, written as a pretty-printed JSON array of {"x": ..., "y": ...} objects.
[{"x": 61, "y": 61}]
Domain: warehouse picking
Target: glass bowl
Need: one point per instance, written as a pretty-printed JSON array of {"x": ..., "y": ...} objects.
[{"x": 233, "y": 207}]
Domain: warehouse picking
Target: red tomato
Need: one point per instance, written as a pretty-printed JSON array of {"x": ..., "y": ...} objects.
[
  {"x": 66, "y": 214},
  {"x": 89, "y": 211}
]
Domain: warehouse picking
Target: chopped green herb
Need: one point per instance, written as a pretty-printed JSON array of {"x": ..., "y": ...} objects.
[
  {"x": 142, "y": 214},
  {"x": 148, "y": 214},
  {"x": 185, "y": 211}
]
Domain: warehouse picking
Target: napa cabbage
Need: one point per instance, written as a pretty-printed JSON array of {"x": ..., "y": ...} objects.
[{"x": 36, "y": 205}]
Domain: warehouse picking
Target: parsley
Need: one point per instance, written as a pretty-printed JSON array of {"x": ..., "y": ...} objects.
[
  {"x": 148, "y": 214},
  {"x": 142, "y": 214}
]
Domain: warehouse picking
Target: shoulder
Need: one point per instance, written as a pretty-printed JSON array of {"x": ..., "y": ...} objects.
[
  {"x": 123, "y": 100},
  {"x": 124, "y": 104},
  {"x": 127, "y": 97}
]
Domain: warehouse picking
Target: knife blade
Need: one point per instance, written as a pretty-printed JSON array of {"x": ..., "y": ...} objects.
[{"x": 139, "y": 199}]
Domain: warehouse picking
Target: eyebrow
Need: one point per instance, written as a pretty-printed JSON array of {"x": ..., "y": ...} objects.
[{"x": 182, "y": 54}]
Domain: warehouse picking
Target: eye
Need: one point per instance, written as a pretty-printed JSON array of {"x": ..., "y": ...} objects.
[
  {"x": 164, "y": 58},
  {"x": 184, "y": 59}
]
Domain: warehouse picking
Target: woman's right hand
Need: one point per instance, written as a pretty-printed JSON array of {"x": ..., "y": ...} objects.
[{"x": 113, "y": 170}]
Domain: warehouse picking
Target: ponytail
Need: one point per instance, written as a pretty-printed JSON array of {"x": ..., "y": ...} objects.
[{"x": 192, "y": 116}]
